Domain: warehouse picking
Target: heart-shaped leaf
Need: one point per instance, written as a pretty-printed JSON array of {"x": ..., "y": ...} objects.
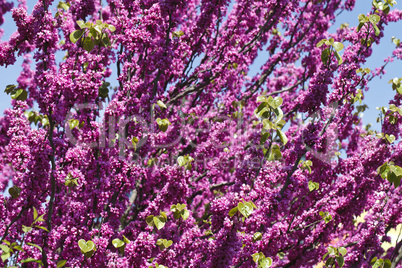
[
  {"x": 265, "y": 262},
  {"x": 117, "y": 243},
  {"x": 373, "y": 18},
  {"x": 338, "y": 46},
  {"x": 150, "y": 220},
  {"x": 245, "y": 209},
  {"x": 19, "y": 94},
  {"x": 87, "y": 247},
  {"x": 159, "y": 222},
  {"x": 342, "y": 250}
]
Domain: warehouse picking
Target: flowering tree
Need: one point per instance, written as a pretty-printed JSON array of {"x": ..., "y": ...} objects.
[{"x": 148, "y": 145}]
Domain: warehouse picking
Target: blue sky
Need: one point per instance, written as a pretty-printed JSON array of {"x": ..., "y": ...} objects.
[{"x": 379, "y": 94}]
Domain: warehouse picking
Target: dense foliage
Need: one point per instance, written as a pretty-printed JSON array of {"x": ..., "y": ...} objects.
[{"x": 149, "y": 145}]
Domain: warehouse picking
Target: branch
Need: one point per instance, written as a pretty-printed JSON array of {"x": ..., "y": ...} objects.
[{"x": 11, "y": 223}]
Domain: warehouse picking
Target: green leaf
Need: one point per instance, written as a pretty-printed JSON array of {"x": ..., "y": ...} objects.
[
  {"x": 319, "y": 44},
  {"x": 264, "y": 137},
  {"x": 41, "y": 227},
  {"x": 177, "y": 34},
  {"x": 10, "y": 88},
  {"x": 117, "y": 243},
  {"x": 14, "y": 192},
  {"x": 233, "y": 211},
  {"x": 35, "y": 213},
  {"x": 185, "y": 214},
  {"x": 338, "y": 46},
  {"x": 103, "y": 90},
  {"x": 311, "y": 186},
  {"x": 32, "y": 260},
  {"x": 87, "y": 248},
  {"x": 377, "y": 31},
  {"x": 262, "y": 99},
  {"x": 163, "y": 124},
  {"x": 277, "y": 102},
  {"x": 374, "y": 19},
  {"x": 4, "y": 248},
  {"x": 182, "y": 161},
  {"x": 150, "y": 220},
  {"x": 245, "y": 208},
  {"x": 282, "y": 136},
  {"x": 390, "y": 138},
  {"x": 63, "y": 5},
  {"x": 35, "y": 245},
  {"x": 265, "y": 262},
  {"x": 161, "y": 104},
  {"x": 325, "y": 55},
  {"x": 5, "y": 256},
  {"x": 257, "y": 256},
  {"x": 125, "y": 239},
  {"x": 167, "y": 243},
  {"x": 26, "y": 229},
  {"x": 340, "y": 260},
  {"x": 88, "y": 44},
  {"x": 159, "y": 222},
  {"x": 106, "y": 41},
  {"x": 81, "y": 24},
  {"x": 359, "y": 27},
  {"x": 19, "y": 94},
  {"x": 363, "y": 18},
  {"x": 387, "y": 263},
  {"x": 61, "y": 263},
  {"x": 330, "y": 261},
  {"x": 338, "y": 57},
  {"x": 257, "y": 236},
  {"x": 76, "y": 35},
  {"x": 111, "y": 28},
  {"x": 73, "y": 123},
  {"x": 342, "y": 250}
]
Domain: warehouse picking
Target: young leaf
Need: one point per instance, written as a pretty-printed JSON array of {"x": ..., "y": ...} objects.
[
  {"x": 319, "y": 44},
  {"x": 35, "y": 245},
  {"x": 338, "y": 57},
  {"x": 32, "y": 260},
  {"x": 76, "y": 35},
  {"x": 161, "y": 104},
  {"x": 81, "y": 24},
  {"x": 342, "y": 250},
  {"x": 88, "y": 44},
  {"x": 159, "y": 222},
  {"x": 19, "y": 94},
  {"x": 150, "y": 220},
  {"x": 340, "y": 260},
  {"x": 282, "y": 136},
  {"x": 257, "y": 236},
  {"x": 61, "y": 263},
  {"x": 117, "y": 243},
  {"x": 325, "y": 55},
  {"x": 377, "y": 31},
  {"x": 338, "y": 46},
  {"x": 233, "y": 211},
  {"x": 374, "y": 19},
  {"x": 26, "y": 229},
  {"x": 35, "y": 213}
]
